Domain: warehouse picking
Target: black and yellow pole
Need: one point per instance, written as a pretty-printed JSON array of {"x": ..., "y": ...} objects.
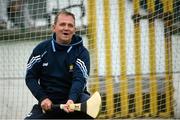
[
  {"x": 108, "y": 58},
  {"x": 168, "y": 19},
  {"x": 138, "y": 71},
  {"x": 92, "y": 37},
  {"x": 152, "y": 59},
  {"x": 123, "y": 65}
]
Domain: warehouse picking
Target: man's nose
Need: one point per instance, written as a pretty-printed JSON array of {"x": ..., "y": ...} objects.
[{"x": 66, "y": 27}]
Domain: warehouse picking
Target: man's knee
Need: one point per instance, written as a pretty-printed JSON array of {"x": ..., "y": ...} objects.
[
  {"x": 36, "y": 113},
  {"x": 83, "y": 97}
]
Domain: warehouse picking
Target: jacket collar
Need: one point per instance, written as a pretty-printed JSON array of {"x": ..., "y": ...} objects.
[{"x": 76, "y": 41}]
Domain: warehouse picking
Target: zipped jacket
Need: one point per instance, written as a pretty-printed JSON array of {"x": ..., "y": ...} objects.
[{"x": 58, "y": 72}]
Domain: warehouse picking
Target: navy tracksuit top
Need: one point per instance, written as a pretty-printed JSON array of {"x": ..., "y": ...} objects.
[{"x": 58, "y": 72}]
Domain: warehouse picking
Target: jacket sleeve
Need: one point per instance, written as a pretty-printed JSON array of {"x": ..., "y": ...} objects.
[
  {"x": 32, "y": 76},
  {"x": 80, "y": 75}
]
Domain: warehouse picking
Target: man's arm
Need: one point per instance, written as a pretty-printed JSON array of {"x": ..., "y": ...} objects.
[
  {"x": 80, "y": 75},
  {"x": 32, "y": 76}
]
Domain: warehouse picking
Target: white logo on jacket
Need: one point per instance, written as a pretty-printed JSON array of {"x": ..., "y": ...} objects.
[{"x": 45, "y": 64}]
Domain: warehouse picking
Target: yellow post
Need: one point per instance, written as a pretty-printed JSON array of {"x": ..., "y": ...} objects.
[
  {"x": 92, "y": 36},
  {"x": 152, "y": 60},
  {"x": 168, "y": 10},
  {"x": 138, "y": 72},
  {"x": 123, "y": 66},
  {"x": 108, "y": 56}
]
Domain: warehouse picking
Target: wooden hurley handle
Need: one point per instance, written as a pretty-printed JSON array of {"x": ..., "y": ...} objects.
[
  {"x": 91, "y": 107},
  {"x": 76, "y": 107}
]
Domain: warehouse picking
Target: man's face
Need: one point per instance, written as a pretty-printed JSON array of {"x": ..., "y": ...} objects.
[{"x": 64, "y": 29}]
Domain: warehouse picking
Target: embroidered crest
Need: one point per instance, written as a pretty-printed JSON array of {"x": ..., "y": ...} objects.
[{"x": 71, "y": 68}]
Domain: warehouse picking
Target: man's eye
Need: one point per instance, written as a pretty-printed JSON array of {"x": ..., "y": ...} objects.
[
  {"x": 70, "y": 25},
  {"x": 62, "y": 24}
]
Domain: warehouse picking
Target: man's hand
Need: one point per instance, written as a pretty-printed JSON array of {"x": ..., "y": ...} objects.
[
  {"x": 66, "y": 106},
  {"x": 46, "y": 104}
]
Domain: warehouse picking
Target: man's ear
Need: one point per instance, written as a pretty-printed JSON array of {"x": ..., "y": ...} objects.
[
  {"x": 75, "y": 30},
  {"x": 53, "y": 28}
]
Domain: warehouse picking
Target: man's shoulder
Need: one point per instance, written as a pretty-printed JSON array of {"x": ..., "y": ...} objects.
[
  {"x": 84, "y": 49},
  {"x": 43, "y": 45}
]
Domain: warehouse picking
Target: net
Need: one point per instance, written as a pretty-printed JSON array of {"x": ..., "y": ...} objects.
[{"x": 134, "y": 48}]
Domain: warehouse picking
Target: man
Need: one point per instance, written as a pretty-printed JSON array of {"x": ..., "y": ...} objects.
[{"x": 57, "y": 71}]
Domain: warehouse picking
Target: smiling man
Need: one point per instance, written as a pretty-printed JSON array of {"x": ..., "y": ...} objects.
[
  {"x": 57, "y": 71},
  {"x": 64, "y": 27}
]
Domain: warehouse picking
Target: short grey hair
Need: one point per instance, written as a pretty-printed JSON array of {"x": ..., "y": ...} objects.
[{"x": 65, "y": 13}]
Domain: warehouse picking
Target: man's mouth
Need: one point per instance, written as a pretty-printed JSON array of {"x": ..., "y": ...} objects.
[{"x": 65, "y": 34}]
